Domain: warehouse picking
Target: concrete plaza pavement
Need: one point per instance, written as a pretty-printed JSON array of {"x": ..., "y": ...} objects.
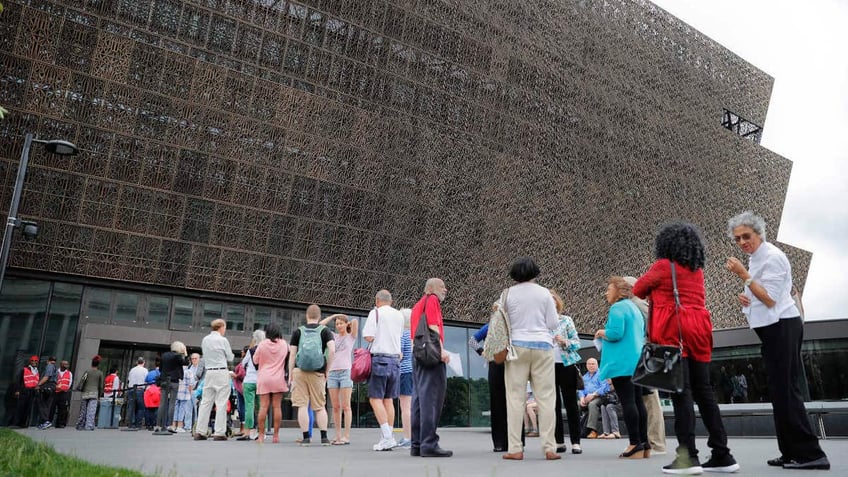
[{"x": 179, "y": 455}]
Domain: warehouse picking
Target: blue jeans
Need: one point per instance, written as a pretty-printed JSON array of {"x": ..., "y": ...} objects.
[{"x": 135, "y": 407}]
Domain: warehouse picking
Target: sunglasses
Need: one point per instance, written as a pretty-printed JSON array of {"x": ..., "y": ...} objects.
[{"x": 739, "y": 238}]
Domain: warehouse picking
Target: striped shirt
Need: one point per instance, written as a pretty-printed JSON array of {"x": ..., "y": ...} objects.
[{"x": 406, "y": 351}]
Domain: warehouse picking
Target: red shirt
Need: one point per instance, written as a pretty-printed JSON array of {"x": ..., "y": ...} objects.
[
  {"x": 695, "y": 322},
  {"x": 434, "y": 315}
]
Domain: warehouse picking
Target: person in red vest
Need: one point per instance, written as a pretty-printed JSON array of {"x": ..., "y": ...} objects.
[
  {"x": 27, "y": 385},
  {"x": 112, "y": 383},
  {"x": 62, "y": 402}
]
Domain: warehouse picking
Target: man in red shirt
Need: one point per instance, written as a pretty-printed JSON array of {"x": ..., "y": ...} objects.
[{"x": 429, "y": 383}]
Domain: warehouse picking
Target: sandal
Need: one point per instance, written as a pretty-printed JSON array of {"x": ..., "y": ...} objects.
[
  {"x": 604, "y": 436},
  {"x": 337, "y": 442}
]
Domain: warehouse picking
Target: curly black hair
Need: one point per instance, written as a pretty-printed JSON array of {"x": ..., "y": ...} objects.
[{"x": 681, "y": 242}]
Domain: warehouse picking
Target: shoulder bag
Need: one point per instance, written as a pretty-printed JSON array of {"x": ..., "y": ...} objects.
[
  {"x": 426, "y": 345},
  {"x": 498, "y": 344},
  {"x": 660, "y": 366},
  {"x": 360, "y": 367}
]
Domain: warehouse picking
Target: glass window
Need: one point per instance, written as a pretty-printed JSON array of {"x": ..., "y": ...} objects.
[
  {"x": 261, "y": 317},
  {"x": 98, "y": 305},
  {"x": 126, "y": 307},
  {"x": 235, "y": 317},
  {"x": 183, "y": 317},
  {"x": 158, "y": 309},
  {"x": 211, "y": 311},
  {"x": 23, "y": 304},
  {"x": 62, "y": 321},
  {"x": 456, "y": 411}
]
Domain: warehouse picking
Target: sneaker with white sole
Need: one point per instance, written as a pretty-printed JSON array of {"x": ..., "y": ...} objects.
[
  {"x": 684, "y": 466},
  {"x": 385, "y": 444},
  {"x": 254, "y": 434},
  {"x": 724, "y": 464},
  {"x": 179, "y": 430},
  {"x": 404, "y": 443}
]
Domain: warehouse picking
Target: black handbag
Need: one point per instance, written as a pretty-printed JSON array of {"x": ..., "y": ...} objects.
[
  {"x": 660, "y": 366},
  {"x": 426, "y": 345}
]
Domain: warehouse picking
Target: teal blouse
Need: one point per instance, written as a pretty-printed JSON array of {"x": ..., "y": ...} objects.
[{"x": 625, "y": 330}]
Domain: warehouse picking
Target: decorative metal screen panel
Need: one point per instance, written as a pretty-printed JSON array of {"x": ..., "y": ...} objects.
[{"x": 318, "y": 151}]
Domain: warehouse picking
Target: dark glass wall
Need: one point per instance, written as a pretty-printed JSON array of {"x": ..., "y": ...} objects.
[{"x": 36, "y": 318}]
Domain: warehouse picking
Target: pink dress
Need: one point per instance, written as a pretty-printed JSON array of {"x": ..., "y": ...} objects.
[{"x": 271, "y": 358}]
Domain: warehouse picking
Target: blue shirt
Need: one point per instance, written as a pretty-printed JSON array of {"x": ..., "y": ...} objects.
[
  {"x": 152, "y": 376},
  {"x": 406, "y": 350},
  {"x": 482, "y": 333},
  {"x": 592, "y": 383}
]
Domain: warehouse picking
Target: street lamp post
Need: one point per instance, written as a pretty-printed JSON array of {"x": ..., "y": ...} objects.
[{"x": 56, "y": 146}]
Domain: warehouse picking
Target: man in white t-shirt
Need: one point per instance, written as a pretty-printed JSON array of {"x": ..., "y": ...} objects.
[
  {"x": 383, "y": 330},
  {"x": 135, "y": 394}
]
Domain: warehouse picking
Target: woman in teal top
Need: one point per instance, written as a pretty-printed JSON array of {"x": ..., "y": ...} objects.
[{"x": 623, "y": 337}]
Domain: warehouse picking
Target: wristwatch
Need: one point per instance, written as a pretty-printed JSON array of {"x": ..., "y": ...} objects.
[{"x": 749, "y": 281}]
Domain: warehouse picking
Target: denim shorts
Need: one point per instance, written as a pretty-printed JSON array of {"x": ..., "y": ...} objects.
[
  {"x": 406, "y": 384},
  {"x": 384, "y": 382},
  {"x": 339, "y": 378}
]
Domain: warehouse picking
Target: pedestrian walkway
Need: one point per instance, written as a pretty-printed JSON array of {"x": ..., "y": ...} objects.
[{"x": 179, "y": 455}]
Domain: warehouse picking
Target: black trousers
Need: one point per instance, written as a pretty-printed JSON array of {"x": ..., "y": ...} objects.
[
  {"x": 428, "y": 398},
  {"x": 635, "y": 414},
  {"x": 497, "y": 405},
  {"x": 45, "y": 404},
  {"x": 61, "y": 405},
  {"x": 24, "y": 407},
  {"x": 781, "y": 351},
  {"x": 566, "y": 389},
  {"x": 697, "y": 389}
]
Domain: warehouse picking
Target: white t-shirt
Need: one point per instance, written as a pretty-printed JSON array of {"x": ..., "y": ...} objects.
[
  {"x": 387, "y": 333},
  {"x": 532, "y": 313}
]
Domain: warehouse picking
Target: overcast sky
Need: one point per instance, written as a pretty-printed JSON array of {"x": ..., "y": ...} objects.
[{"x": 804, "y": 46}]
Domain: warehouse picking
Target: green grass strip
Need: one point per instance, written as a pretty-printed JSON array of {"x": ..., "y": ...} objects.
[{"x": 21, "y": 456}]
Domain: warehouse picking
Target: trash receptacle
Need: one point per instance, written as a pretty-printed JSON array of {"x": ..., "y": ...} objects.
[{"x": 106, "y": 410}]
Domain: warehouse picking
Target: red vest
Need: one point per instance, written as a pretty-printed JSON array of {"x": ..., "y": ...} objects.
[
  {"x": 30, "y": 378},
  {"x": 63, "y": 383},
  {"x": 110, "y": 381}
]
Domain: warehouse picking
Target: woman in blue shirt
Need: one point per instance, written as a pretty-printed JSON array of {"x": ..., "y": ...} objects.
[{"x": 624, "y": 336}]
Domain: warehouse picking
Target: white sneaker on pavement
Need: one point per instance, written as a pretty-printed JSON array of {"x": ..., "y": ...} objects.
[{"x": 385, "y": 444}]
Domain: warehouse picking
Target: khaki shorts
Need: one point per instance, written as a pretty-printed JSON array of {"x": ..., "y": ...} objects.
[{"x": 308, "y": 388}]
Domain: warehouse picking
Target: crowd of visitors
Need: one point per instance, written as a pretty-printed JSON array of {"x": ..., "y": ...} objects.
[{"x": 540, "y": 377}]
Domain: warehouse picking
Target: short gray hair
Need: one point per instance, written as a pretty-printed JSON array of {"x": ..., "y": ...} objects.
[
  {"x": 384, "y": 295},
  {"x": 258, "y": 336},
  {"x": 749, "y": 219}
]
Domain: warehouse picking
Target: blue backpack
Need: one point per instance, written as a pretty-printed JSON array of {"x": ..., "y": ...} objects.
[{"x": 310, "y": 352}]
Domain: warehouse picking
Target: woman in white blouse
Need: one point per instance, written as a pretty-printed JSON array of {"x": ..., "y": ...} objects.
[{"x": 767, "y": 303}]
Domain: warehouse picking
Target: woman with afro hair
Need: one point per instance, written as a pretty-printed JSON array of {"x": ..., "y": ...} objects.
[{"x": 681, "y": 244}]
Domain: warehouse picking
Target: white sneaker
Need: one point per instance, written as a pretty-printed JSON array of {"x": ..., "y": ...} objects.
[
  {"x": 385, "y": 444},
  {"x": 254, "y": 434},
  {"x": 180, "y": 430}
]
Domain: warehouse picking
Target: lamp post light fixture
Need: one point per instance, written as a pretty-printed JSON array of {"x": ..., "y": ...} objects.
[{"x": 30, "y": 229}]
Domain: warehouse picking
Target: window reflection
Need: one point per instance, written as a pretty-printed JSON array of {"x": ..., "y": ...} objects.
[{"x": 183, "y": 314}]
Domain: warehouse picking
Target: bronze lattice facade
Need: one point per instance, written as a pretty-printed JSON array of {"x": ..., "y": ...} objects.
[{"x": 317, "y": 151}]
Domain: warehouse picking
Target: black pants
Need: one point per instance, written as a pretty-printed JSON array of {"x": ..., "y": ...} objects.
[
  {"x": 61, "y": 404},
  {"x": 167, "y": 402},
  {"x": 566, "y": 384},
  {"x": 782, "y": 357},
  {"x": 497, "y": 405},
  {"x": 428, "y": 398},
  {"x": 24, "y": 407},
  {"x": 45, "y": 404},
  {"x": 697, "y": 388},
  {"x": 635, "y": 414}
]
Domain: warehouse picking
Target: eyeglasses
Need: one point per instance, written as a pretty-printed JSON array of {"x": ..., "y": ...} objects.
[{"x": 739, "y": 238}]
